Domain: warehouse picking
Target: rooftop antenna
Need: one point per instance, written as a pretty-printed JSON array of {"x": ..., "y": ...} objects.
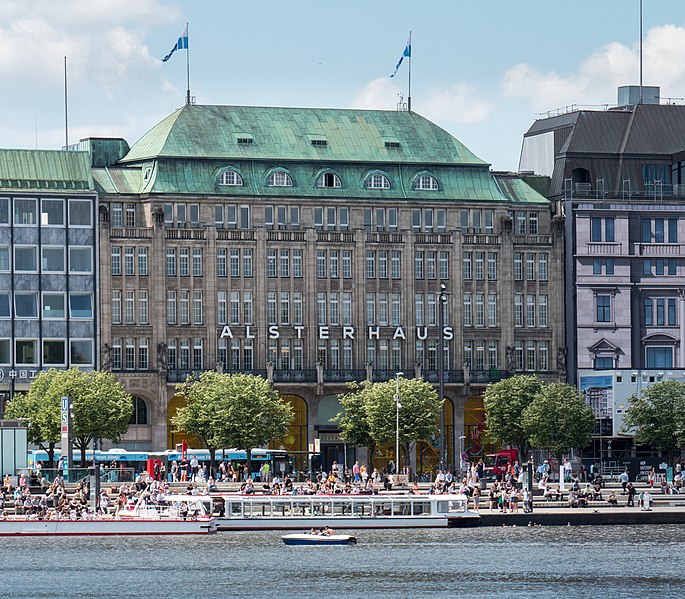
[
  {"x": 188, "y": 68},
  {"x": 66, "y": 112},
  {"x": 640, "y": 51}
]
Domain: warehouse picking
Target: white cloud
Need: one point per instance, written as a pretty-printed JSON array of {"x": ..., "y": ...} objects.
[
  {"x": 597, "y": 77},
  {"x": 456, "y": 104}
]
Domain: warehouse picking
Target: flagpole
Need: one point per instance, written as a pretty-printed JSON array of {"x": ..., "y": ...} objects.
[
  {"x": 188, "y": 68},
  {"x": 66, "y": 111},
  {"x": 409, "y": 94}
]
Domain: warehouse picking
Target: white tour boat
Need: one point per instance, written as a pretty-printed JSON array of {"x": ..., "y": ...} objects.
[
  {"x": 292, "y": 512},
  {"x": 174, "y": 515},
  {"x": 318, "y": 539}
]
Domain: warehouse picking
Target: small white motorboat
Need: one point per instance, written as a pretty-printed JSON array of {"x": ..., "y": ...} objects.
[{"x": 318, "y": 539}]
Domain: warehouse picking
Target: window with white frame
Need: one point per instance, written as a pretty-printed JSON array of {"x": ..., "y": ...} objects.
[
  {"x": 116, "y": 306},
  {"x": 54, "y": 352},
  {"x": 230, "y": 178},
  {"x": 26, "y": 352},
  {"x": 54, "y": 305},
  {"x": 184, "y": 306},
  {"x": 52, "y": 259},
  {"x": 377, "y": 181},
  {"x": 25, "y": 212},
  {"x": 143, "y": 354},
  {"x": 80, "y": 213},
  {"x": 26, "y": 304},
  {"x": 142, "y": 261},
  {"x": 329, "y": 179},
  {"x": 116, "y": 260},
  {"x": 25, "y": 258},
  {"x": 280, "y": 179},
  {"x": 426, "y": 183},
  {"x": 51, "y": 213},
  {"x": 143, "y": 312},
  {"x": 171, "y": 307},
  {"x": 81, "y": 352},
  {"x": 80, "y": 260},
  {"x": 129, "y": 307},
  {"x": 197, "y": 262}
]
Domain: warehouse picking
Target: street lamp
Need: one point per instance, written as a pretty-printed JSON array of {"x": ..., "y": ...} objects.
[
  {"x": 461, "y": 451},
  {"x": 397, "y": 424},
  {"x": 442, "y": 304}
]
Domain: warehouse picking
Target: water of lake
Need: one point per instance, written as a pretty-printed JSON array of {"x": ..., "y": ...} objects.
[{"x": 615, "y": 561}]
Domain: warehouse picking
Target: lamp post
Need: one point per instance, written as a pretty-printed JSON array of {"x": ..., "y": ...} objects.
[
  {"x": 397, "y": 423},
  {"x": 461, "y": 451},
  {"x": 442, "y": 302}
]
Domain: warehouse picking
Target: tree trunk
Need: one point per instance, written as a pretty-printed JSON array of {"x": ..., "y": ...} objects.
[
  {"x": 212, "y": 461},
  {"x": 82, "y": 445},
  {"x": 372, "y": 449}
]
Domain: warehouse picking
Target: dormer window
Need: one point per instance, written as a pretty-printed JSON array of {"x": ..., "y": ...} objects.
[
  {"x": 230, "y": 178},
  {"x": 426, "y": 183},
  {"x": 378, "y": 181},
  {"x": 280, "y": 179},
  {"x": 329, "y": 180}
]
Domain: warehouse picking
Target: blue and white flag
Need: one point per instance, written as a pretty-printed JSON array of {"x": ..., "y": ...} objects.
[
  {"x": 181, "y": 44},
  {"x": 406, "y": 53}
]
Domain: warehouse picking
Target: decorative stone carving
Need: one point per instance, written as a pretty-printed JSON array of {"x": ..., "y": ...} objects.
[
  {"x": 162, "y": 356},
  {"x": 417, "y": 370}
]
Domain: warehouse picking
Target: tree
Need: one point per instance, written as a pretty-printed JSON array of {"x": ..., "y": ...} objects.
[
  {"x": 505, "y": 403},
  {"x": 558, "y": 418},
  {"x": 419, "y": 412},
  {"x": 101, "y": 407},
  {"x": 233, "y": 410},
  {"x": 353, "y": 421},
  {"x": 658, "y": 413},
  {"x": 39, "y": 408}
]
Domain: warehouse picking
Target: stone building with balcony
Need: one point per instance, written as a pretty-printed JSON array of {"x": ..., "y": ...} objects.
[
  {"x": 618, "y": 177},
  {"x": 309, "y": 246}
]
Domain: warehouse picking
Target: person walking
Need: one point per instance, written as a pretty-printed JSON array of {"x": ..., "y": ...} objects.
[
  {"x": 624, "y": 478},
  {"x": 631, "y": 495}
]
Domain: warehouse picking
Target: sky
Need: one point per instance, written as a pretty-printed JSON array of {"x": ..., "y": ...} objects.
[{"x": 484, "y": 71}]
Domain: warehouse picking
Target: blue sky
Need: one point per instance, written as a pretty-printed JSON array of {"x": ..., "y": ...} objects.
[{"x": 481, "y": 70}]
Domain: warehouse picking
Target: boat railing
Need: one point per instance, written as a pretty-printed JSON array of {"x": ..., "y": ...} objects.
[{"x": 297, "y": 506}]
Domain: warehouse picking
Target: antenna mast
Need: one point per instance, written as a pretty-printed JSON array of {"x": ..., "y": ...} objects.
[
  {"x": 66, "y": 112},
  {"x": 641, "y": 52}
]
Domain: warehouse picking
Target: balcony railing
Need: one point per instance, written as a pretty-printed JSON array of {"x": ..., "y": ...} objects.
[
  {"x": 384, "y": 237},
  {"x": 437, "y": 238},
  {"x": 179, "y": 376},
  {"x": 194, "y": 234},
  {"x": 344, "y": 376},
  {"x": 659, "y": 249},
  {"x": 335, "y": 236},
  {"x": 481, "y": 239},
  {"x": 294, "y": 376},
  {"x": 603, "y": 249},
  {"x": 235, "y": 235},
  {"x": 130, "y": 233},
  {"x": 285, "y": 236},
  {"x": 532, "y": 240}
]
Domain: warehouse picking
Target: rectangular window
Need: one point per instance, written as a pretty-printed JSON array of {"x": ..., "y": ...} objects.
[
  {"x": 518, "y": 310},
  {"x": 53, "y": 259},
  {"x": 26, "y": 305},
  {"x": 370, "y": 308},
  {"x": 418, "y": 302},
  {"x": 24, "y": 211},
  {"x": 416, "y": 220},
  {"x": 672, "y": 230},
  {"x": 603, "y": 308},
  {"x": 543, "y": 356},
  {"x": 129, "y": 307},
  {"x": 171, "y": 307},
  {"x": 646, "y": 266},
  {"x": 53, "y": 305},
  {"x": 221, "y": 307},
  {"x": 468, "y": 319},
  {"x": 333, "y": 264},
  {"x": 25, "y": 258},
  {"x": 271, "y": 263},
  {"x": 271, "y": 307},
  {"x": 347, "y": 264},
  {"x": 609, "y": 229},
  {"x": 197, "y": 307},
  {"x": 418, "y": 265},
  {"x": 609, "y": 266},
  {"x": 533, "y": 223},
  {"x": 321, "y": 264},
  {"x": 671, "y": 312},
  {"x": 492, "y": 266},
  {"x": 129, "y": 354},
  {"x": 26, "y": 352},
  {"x": 646, "y": 230},
  {"x": 431, "y": 265},
  {"x": 444, "y": 266},
  {"x": 480, "y": 310},
  {"x": 184, "y": 306},
  {"x": 347, "y": 308},
  {"x": 595, "y": 228},
  {"x": 171, "y": 262},
  {"x": 395, "y": 270},
  {"x": 80, "y": 260},
  {"x": 659, "y": 236},
  {"x": 143, "y": 355},
  {"x": 247, "y": 263},
  {"x": 235, "y": 262},
  {"x": 530, "y": 311},
  {"x": 284, "y": 259},
  {"x": 660, "y": 312},
  {"x": 431, "y": 312},
  {"x": 382, "y": 265},
  {"x": 659, "y": 357},
  {"x": 79, "y": 213},
  {"x": 518, "y": 266},
  {"x": 542, "y": 310},
  {"x": 530, "y": 356},
  {"x": 81, "y": 305},
  {"x": 54, "y": 352},
  {"x": 370, "y": 265},
  {"x": 142, "y": 262},
  {"x": 221, "y": 262},
  {"x": 492, "y": 355},
  {"x": 297, "y": 264},
  {"x": 596, "y": 266},
  {"x": 297, "y": 307},
  {"x": 520, "y": 223},
  {"x": 197, "y": 262},
  {"x": 659, "y": 266},
  {"x": 480, "y": 266},
  {"x": 4, "y": 258},
  {"x": 128, "y": 261},
  {"x": 542, "y": 267},
  {"x": 116, "y": 306},
  {"x": 117, "y": 214},
  {"x": 395, "y": 309},
  {"x": 184, "y": 355},
  {"x": 247, "y": 308},
  {"x": 648, "y": 311},
  {"x": 672, "y": 267},
  {"x": 198, "y": 358},
  {"x": 530, "y": 267},
  {"x": 466, "y": 266},
  {"x": 142, "y": 307},
  {"x": 235, "y": 307},
  {"x": 184, "y": 262},
  {"x": 130, "y": 215},
  {"x": 333, "y": 307},
  {"x": 321, "y": 308},
  {"x": 51, "y": 213},
  {"x": 172, "y": 357},
  {"x": 492, "y": 310}
]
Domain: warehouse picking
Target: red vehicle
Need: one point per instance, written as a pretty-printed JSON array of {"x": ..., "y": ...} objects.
[{"x": 496, "y": 464}]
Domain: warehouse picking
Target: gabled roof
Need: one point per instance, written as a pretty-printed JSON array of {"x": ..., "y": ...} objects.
[
  {"x": 46, "y": 170},
  {"x": 311, "y": 134}
]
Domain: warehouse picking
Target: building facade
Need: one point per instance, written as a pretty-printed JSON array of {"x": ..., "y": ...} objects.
[
  {"x": 310, "y": 246},
  {"x": 48, "y": 265},
  {"x": 617, "y": 176}
]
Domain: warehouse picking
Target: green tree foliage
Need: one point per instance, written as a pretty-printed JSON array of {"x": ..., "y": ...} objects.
[
  {"x": 505, "y": 403},
  {"x": 659, "y": 415},
  {"x": 353, "y": 421},
  {"x": 232, "y": 410},
  {"x": 375, "y": 415},
  {"x": 558, "y": 419},
  {"x": 101, "y": 407}
]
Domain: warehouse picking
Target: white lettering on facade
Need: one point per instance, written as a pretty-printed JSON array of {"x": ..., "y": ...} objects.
[
  {"x": 248, "y": 332},
  {"x": 447, "y": 333},
  {"x": 299, "y": 331},
  {"x": 421, "y": 333},
  {"x": 273, "y": 332},
  {"x": 374, "y": 333},
  {"x": 226, "y": 333},
  {"x": 348, "y": 332},
  {"x": 323, "y": 332},
  {"x": 399, "y": 333}
]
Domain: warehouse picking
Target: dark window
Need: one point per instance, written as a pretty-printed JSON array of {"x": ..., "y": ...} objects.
[
  {"x": 139, "y": 415},
  {"x": 603, "y": 308},
  {"x": 648, "y": 310},
  {"x": 604, "y": 363},
  {"x": 596, "y": 229},
  {"x": 646, "y": 230},
  {"x": 609, "y": 229}
]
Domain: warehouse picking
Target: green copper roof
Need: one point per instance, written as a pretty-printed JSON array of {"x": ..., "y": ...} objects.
[
  {"x": 517, "y": 190},
  {"x": 310, "y": 134},
  {"x": 48, "y": 170}
]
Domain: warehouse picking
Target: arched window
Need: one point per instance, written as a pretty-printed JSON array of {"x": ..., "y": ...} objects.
[
  {"x": 280, "y": 179},
  {"x": 329, "y": 180},
  {"x": 426, "y": 183},
  {"x": 139, "y": 415},
  {"x": 378, "y": 181},
  {"x": 230, "y": 178}
]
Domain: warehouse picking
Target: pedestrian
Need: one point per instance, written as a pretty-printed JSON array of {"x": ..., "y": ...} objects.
[
  {"x": 624, "y": 478},
  {"x": 631, "y": 494}
]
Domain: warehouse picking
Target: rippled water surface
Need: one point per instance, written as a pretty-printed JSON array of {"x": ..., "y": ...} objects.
[{"x": 625, "y": 561}]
